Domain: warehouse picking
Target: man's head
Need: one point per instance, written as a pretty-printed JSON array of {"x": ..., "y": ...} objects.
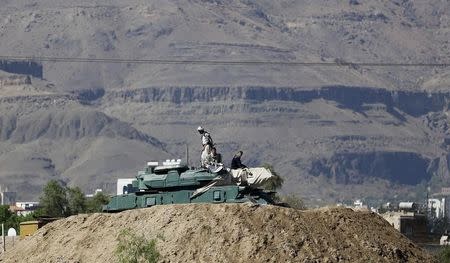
[
  {"x": 213, "y": 150},
  {"x": 200, "y": 130},
  {"x": 239, "y": 154}
]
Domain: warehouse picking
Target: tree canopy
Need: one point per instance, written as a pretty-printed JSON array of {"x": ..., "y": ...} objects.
[
  {"x": 53, "y": 200},
  {"x": 76, "y": 200},
  {"x": 94, "y": 204},
  {"x": 59, "y": 201}
]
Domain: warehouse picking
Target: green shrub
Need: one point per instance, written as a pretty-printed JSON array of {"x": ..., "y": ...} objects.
[
  {"x": 95, "y": 204},
  {"x": 444, "y": 255},
  {"x": 294, "y": 201},
  {"x": 134, "y": 248},
  {"x": 273, "y": 183}
]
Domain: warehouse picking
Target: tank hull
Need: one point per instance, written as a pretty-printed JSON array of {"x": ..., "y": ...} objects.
[{"x": 216, "y": 194}]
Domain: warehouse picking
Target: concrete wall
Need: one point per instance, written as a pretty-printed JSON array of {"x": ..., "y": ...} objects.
[{"x": 393, "y": 219}]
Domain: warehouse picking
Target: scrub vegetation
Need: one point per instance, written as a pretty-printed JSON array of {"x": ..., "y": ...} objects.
[{"x": 135, "y": 248}]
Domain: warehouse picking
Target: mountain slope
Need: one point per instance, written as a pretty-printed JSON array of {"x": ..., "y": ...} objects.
[
  {"x": 47, "y": 137},
  {"x": 334, "y": 132},
  {"x": 306, "y": 31}
]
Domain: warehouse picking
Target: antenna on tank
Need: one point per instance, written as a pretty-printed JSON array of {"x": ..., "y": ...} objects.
[{"x": 187, "y": 154}]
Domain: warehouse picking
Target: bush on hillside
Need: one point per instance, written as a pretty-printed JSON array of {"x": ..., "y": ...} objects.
[
  {"x": 134, "y": 248},
  {"x": 444, "y": 255},
  {"x": 293, "y": 201}
]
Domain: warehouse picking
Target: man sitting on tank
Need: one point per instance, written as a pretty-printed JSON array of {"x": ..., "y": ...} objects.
[
  {"x": 216, "y": 157},
  {"x": 236, "y": 162}
]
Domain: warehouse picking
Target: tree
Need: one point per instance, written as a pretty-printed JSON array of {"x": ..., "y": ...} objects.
[
  {"x": 76, "y": 201},
  {"x": 7, "y": 217},
  {"x": 54, "y": 200},
  {"x": 59, "y": 201},
  {"x": 95, "y": 203},
  {"x": 5, "y": 214}
]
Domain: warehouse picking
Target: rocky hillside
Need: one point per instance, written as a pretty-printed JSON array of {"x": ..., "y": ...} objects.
[
  {"x": 334, "y": 132},
  {"x": 308, "y": 31},
  {"x": 225, "y": 233},
  {"x": 47, "y": 136},
  {"x": 338, "y": 137}
]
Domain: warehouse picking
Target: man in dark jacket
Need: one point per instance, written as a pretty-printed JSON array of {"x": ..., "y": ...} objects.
[
  {"x": 236, "y": 162},
  {"x": 216, "y": 157}
]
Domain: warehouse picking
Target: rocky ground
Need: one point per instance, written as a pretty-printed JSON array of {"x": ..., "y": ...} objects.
[{"x": 225, "y": 233}]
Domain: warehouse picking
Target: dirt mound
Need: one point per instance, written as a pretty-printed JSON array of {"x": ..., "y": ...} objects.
[{"x": 225, "y": 233}]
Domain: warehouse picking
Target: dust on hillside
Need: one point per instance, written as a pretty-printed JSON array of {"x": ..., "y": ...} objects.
[{"x": 225, "y": 233}]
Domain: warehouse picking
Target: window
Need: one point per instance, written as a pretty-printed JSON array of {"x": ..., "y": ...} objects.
[
  {"x": 150, "y": 201},
  {"x": 216, "y": 195}
]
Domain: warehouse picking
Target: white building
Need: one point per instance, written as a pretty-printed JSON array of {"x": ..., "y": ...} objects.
[
  {"x": 358, "y": 205},
  {"x": 123, "y": 184},
  {"x": 24, "y": 208},
  {"x": 437, "y": 207},
  {"x": 439, "y": 203},
  {"x": 27, "y": 205},
  {"x": 98, "y": 190}
]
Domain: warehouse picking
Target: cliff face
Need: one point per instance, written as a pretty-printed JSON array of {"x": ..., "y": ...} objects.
[
  {"x": 412, "y": 103},
  {"x": 354, "y": 168},
  {"x": 334, "y": 136},
  {"x": 30, "y": 68}
]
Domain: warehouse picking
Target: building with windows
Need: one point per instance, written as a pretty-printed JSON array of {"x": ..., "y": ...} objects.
[
  {"x": 7, "y": 197},
  {"x": 439, "y": 203}
]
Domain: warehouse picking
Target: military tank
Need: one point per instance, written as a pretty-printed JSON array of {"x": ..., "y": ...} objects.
[{"x": 175, "y": 183}]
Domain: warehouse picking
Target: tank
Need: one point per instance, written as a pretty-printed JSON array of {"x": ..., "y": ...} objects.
[{"x": 175, "y": 183}]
